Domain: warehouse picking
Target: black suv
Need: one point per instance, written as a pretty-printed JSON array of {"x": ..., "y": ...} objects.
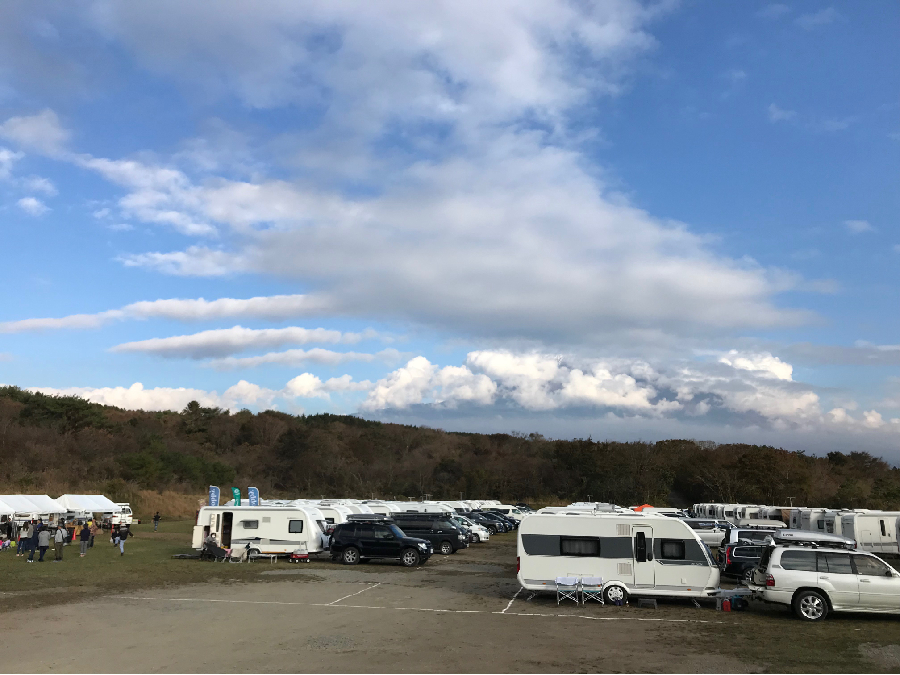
[
  {"x": 740, "y": 559},
  {"x": 363, "y": 540},
  {"x": 438, "y": 528},
  {"x": 493, "y": 524}
]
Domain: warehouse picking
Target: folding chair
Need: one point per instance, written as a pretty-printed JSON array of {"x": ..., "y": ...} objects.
[
  {"x": 566, "y": 589},
  {"x": 592, "y": 589}
]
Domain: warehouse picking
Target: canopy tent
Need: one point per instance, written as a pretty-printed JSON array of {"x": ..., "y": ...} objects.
[
  {"x": 89, "y": 504},
  {"x": 6, "y": 509},
  {"x": 32, "y": 504}
]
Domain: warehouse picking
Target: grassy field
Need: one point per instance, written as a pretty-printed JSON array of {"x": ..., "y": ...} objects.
[{"x": 147, "y": 563}]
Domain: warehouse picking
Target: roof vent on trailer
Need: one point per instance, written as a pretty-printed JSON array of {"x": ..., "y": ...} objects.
[{"x": 623, "y": 530}]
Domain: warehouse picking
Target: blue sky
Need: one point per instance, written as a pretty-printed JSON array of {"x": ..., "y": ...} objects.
[{"x": 628, "y": 220}]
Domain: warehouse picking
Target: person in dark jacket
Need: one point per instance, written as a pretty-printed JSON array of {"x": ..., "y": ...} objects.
[
  {"x": 33, "y": 542},
  {"x": 85, "y": 538},
  {"x": 156, "y": 518},
  {"x": 124, "y": 533}
]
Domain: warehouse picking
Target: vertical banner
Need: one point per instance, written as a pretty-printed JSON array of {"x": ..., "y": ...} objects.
[
  {"x": 253, "y": 496},
  {"x": 213, "y": 495},
  {"x": 236, "y": 493}
]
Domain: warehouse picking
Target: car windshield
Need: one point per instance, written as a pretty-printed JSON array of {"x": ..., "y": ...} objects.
[{"x": 397, "y": 532}]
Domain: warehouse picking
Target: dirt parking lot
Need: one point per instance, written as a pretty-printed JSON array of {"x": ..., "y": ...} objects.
[{"x": 460, "y": 613}]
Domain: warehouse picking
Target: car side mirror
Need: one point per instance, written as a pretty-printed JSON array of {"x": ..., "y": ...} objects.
[{"x": 890, "y": 573}]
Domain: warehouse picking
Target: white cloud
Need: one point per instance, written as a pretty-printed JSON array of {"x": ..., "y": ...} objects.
[
  {"x": 308, "y": 385},
  {"x": 196, "y": 261},
  {"x": 763, "y": 364},
  {"x": 777, "y": 114},
  {"x": 296, "y": 357},
  {"x": 272, "y": 307},
  {"x": 32, "y": 206},
  {"x": 816, "y": 19},
  {"x": 41, "y": 132},
  {"x": 7, "y": 159},
  {"x": 39, "y": 184},
  {"x": 226, "y": 341},
  {"x": 858, "y": 226}
]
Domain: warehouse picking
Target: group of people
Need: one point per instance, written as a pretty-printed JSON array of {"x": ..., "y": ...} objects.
[{"x": 36, "y": 536}]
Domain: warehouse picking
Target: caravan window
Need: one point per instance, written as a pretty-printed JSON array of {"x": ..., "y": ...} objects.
[
  {"x": 640, "y": 547},
  {"x": 883, "y": 533},
  {"x": 820, "y": 524},
  {"x": 250, "y": 524},
  {"x": 672, "y": 549},
  {"x": 295, "y": 526},
  {"x": 581, "y": 546}
]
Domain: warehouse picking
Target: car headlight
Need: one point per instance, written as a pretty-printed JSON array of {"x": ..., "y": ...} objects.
[{"x": 423, "y": 545}]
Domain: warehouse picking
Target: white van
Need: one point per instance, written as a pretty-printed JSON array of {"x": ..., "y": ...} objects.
[
  {"x": 267, "y": 529},
  {"x": 634, "y": 554}
]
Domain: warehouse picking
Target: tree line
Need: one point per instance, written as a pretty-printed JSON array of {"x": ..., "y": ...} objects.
[{"x": 59, "y": 444}]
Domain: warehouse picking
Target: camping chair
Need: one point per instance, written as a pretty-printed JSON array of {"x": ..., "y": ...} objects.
[
  {"x": 241, "y": 557},
  {"x": 214, "y": 553},
  {"x": 566, "y": 589},
  {"x": 591, "y": 589}
]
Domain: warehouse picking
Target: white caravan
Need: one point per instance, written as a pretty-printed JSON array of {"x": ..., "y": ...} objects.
[
  {"x": 874, "y": 531},
  {"x": 634, "y": 554},
  {"x": 813, "y": 520},
  {"x": 267, "y": 529},
  {"x": 334, "y": 514}
]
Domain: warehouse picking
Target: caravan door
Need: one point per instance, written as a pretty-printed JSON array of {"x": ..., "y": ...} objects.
[{"x": 644, "y": 571}]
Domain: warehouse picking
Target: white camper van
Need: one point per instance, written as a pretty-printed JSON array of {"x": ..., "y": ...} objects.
[
  {"x": 267, "y": 529},
  {"x": 634, "y": 554}
]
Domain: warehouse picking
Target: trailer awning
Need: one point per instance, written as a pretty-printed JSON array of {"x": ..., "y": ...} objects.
[{"x": 89, "y": 504}]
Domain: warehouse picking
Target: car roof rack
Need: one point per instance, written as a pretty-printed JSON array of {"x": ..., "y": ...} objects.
[{"x": 811, "y": 539}]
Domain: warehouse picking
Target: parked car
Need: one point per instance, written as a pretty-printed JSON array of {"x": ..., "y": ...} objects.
[
  {"x": 510, "y": 522},
  {"x": 739, "y": 560},
  {"x": 735, "y": 534},
  {"x": 711, "y": 531},
  {"x": 444, "y": 535},
  {"x": 832, "y": 577},
  {"x": 357, "y": 541},
  {"x": 477, "y": 533},
  {"x": 493, "y": 525}
]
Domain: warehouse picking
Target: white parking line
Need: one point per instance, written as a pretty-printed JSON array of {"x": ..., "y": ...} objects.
[
  {"x": 417, "y": 609},
  {"x": 510, "y": 602},
  {"x": 357, "y": 593}
]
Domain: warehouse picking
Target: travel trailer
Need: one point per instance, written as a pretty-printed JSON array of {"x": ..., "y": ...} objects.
[
  {"x": 874, "y": 531},
  {"x": 813, "y": 520},
  {"x": 267, "y": 529},
  {"x": 634, "y": 554}
]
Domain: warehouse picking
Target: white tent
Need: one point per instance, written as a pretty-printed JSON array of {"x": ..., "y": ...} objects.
[
  {"x": 89, "y": 504},
  {"x": 6, "y": 509},
  {"x": 32, "y": 505}
]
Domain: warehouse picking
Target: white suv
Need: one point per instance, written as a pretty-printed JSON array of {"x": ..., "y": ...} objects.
[{"x": 816, "y": 580}]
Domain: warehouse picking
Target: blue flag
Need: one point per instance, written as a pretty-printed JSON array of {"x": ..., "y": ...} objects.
[
  {"x": 213, "y": 495},
  {"x": 253, "y": 496}
]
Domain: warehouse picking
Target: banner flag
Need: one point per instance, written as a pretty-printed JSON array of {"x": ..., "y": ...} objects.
[
  {"x": 213, "y": 495},
  {"x": 253, "y": 496},
  {"x": 236, "y": 493}
]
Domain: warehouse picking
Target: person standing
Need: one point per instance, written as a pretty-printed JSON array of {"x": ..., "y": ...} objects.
[
  {"x": 85, "y": 538},
  {"x": 93, "y": 529},
  {"x": 43, "y": 541},
  {"x": 20, "y": 541},
  {"x": 156, "y": 521},
  {"x": 34, "y": 529},
  {"x": 59, "y": 540}
]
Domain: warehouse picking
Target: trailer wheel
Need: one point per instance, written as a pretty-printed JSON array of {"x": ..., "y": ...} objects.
[
  {"x": 446, "y": 548},
  {"x": 351, "y": 555},
  {"x": 810, "y": 606},
  {"x": 409, "y": 557},
  {"x": 615, "y": 594}
]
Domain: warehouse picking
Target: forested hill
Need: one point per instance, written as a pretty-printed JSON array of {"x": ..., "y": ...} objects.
[{"x": 56, "y": 445}]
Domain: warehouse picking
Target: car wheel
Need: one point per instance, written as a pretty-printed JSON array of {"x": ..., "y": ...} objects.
[
  {"x": 810, "y": 606},
  {"x": 350, "y": 555},
  {"x": 615, "y": 594},
  {"x": 409, "y": 557},
  {"x": 477, "y": 538},
  {"x": 446, "y": 548},
  {"x": 747, "y": 576}
]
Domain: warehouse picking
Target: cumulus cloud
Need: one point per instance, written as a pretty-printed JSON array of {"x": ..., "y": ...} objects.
[
  {"x": 778, "y": 114},
  {"x": 36, "y": 183},
  {"x": 42, "y": 132},
  {"x": 815, "y": 20},
  {"x": 308, "y": 385},
  {"x": 272, "y": 307},
  {"x": 32, "y": 206},
  {"x": 7, "y": 159},
  {"x": 858, "y": 226},
  {"x": 226, "y": 341}
]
